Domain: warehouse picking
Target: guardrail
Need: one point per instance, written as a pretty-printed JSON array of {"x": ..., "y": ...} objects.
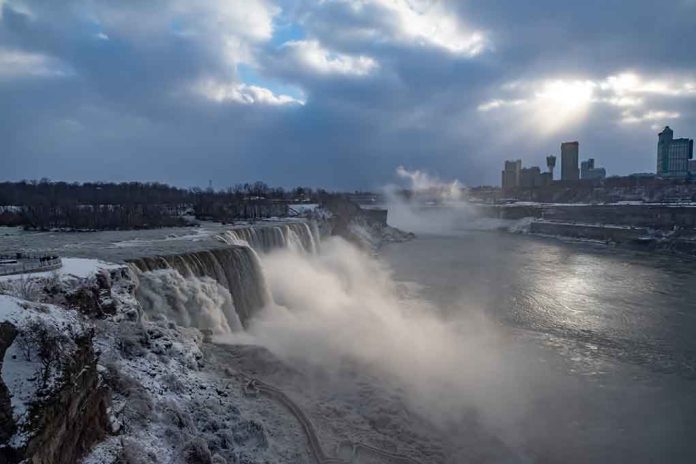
[{"x": 26, "y": 264}]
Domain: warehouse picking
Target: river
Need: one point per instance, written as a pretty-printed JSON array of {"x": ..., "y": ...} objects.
[{"x": 612, "y": 331}]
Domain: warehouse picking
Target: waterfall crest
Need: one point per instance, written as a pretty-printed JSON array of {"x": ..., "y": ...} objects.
[{"x": 298, "y": 236}]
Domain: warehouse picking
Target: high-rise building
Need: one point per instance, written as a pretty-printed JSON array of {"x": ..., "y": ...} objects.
[
  {"x": 570, "y": 154},
  {"x": 588, "y": 170},
  {"x": 530, "y": 177},
  {"x": 511, "y": 174},
  {"x": 546, "y": 178},
  {"x": 673, "y": 155}
]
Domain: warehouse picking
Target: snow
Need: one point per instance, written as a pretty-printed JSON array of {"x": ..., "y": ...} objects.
[
  {"x": 198, "y": 235},
  {"x": 83, "y": 268},
  {"x": 304, "y": 207},
  {"x": 20, "y": 370},
  {"x": 180, "y": 401},
  {"x": 18, "y": 311}
]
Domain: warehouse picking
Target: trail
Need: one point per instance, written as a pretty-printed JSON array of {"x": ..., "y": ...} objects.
[{"x": 254, "y": 386}]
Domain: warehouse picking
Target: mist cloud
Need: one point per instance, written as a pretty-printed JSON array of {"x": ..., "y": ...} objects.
[{"x": 446, "y": 365}]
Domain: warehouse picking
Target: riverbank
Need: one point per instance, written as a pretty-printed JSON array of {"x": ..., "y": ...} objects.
[{"x": 669, "y": 228}]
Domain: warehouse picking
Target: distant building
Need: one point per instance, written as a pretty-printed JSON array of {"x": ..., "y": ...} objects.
[
  {"x": 692, "y": 167},
  {"x": 551, "y": 164},
  {"x": 673, "y": 155},
  {"x": 570, "y": 154},
  {"x": 588, "y": 170},
  {"x": 585, "y": 167},
  {"x": 511, "y": 174},
  {"x": 530, "y": 177},
  {"x": 546, "y": 178}
]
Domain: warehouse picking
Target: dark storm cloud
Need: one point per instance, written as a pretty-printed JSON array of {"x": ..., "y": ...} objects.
[{"x": 336, "y": 94}]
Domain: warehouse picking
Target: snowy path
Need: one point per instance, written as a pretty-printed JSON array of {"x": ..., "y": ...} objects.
[{"x": 254, "y": 385}]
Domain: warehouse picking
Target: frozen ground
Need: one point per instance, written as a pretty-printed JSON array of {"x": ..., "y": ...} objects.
[
  {"x": 118, "y": 246},
  {"x": 352, "y": 405}
]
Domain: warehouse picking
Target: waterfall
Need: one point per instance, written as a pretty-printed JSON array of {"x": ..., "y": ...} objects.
[
  {"x": 219, "y": 289},
  {"x": 189, "y": 301},
  {"x": 298, "y": 236},
  {"x": 236, "y": 268}
]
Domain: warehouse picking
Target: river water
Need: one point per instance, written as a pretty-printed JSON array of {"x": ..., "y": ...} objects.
[{"x": 612, "y": 332}]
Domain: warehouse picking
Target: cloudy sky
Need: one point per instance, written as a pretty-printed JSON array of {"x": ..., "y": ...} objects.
[{"x": 336, "y": 93}]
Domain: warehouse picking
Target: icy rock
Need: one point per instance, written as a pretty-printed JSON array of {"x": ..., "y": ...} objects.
[{"x": 250, "y": 434}]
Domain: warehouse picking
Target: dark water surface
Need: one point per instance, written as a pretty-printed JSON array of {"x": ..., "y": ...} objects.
[{"x": 615, "y": 331}]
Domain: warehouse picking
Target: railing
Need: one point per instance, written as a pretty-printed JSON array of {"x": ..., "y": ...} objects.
[{"x": 28, "y": 263}]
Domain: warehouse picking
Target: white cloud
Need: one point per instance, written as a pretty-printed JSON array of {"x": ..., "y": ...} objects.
[
  {"x": 548, "y": 104},
  {"x": 249, "y": 19},
  {"x": 555, "y": 103},
  {"x": 415, "y": 23},
  {"x": 312, "y": 54},
  {"x": 227, "y": 30},
  {"x": 18, "y": 63},
  {"x": 17, "y": 6},
  {"x": 430, "y": 23},
  {"x": 633, "y": 84},
  {"x": 629, "y": 117},
  {"x": 498, "y": 103},
  {"x": 238, "y": 92}
]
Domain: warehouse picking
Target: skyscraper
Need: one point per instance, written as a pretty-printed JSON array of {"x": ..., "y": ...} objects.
[
  {"x": 511, "y": 174},
  {"x": 589, "y": 171},
  {"x": 673, "y": 155},
  {"x": 530, "y": 177},
  {"x": 570, "y": 154}
]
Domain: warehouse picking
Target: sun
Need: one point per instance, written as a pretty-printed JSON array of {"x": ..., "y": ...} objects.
[{"x": 561, "y": 102}]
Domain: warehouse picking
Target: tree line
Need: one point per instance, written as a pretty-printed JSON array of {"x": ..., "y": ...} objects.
[{"x": 44, "y": 205}]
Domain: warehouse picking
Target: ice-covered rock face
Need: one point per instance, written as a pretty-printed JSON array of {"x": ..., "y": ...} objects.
[
  {"x": 145, "y": 391},
  {"x": 53, "y": 401},
  {"x": 8, "y": 333},
  {"x": 57, "y": 405}
]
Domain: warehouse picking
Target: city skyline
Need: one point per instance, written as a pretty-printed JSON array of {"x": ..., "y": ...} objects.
[{"x": 674, "y": 160}]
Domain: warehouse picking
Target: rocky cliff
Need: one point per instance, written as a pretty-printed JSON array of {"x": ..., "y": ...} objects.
[
  {"x": 365, "y": 228},
  {"x": 52, "y": 402}
]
